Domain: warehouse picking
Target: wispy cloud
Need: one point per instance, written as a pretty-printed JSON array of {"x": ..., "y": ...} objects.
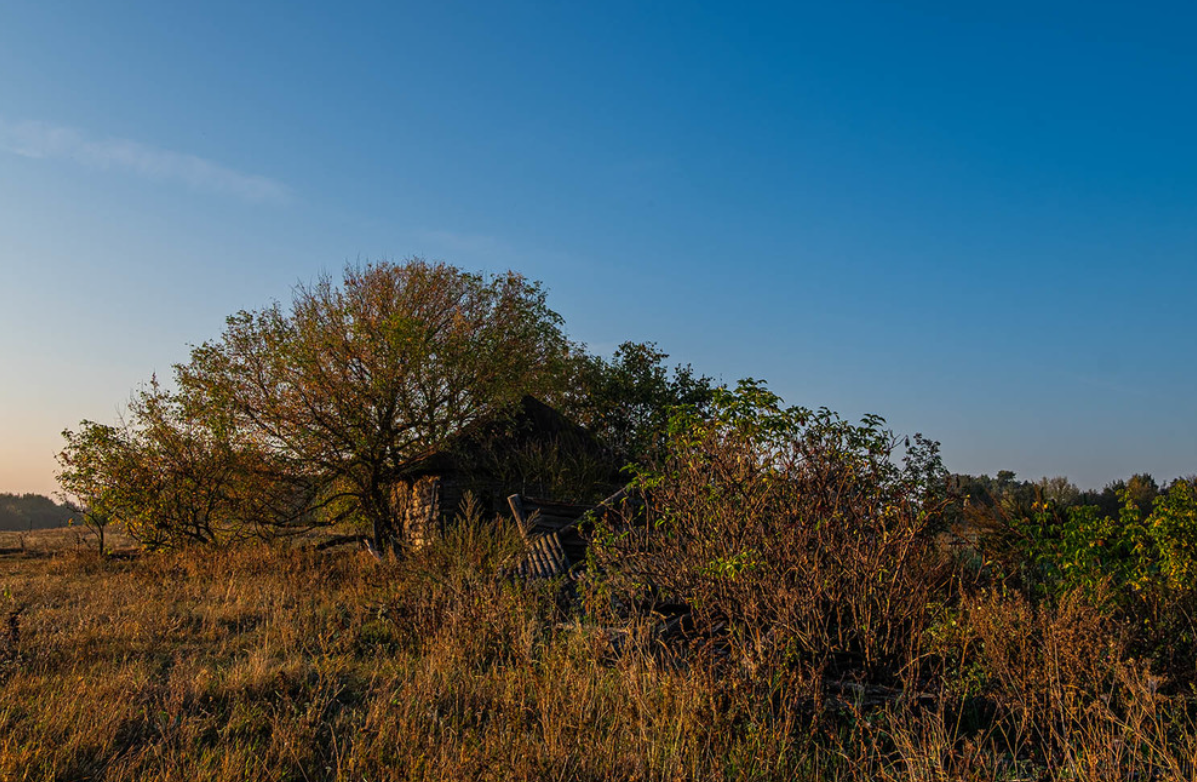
[{"x": 42, "y": 140}]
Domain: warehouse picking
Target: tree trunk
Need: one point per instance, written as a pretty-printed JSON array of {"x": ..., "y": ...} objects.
[
  {"x": 379, "y": 512},
  {"x": 383, "y": 534}
]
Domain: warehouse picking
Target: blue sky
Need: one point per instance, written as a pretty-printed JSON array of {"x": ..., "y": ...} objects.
[{"x": 978, "y": 222}]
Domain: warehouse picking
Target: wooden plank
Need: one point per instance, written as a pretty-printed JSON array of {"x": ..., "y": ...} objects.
[
  {"x": 552, "y": 506},
  {"x": 556, "y": 520},
  {"x": 541, "y": 527},
  {"x": 517, "y": 510},
  {"x": 543, "y": 565},
  {"x": 557, "y": 557},
  {"x": 545, "y": 558}
]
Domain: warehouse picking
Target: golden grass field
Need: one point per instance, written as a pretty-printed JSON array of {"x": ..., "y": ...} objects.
[
  {"x": 277, "y": 664},
  {"x": 280, "y": 663}
]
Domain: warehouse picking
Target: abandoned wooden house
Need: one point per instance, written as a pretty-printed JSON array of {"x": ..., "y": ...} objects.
[{"x": 535, "y": 452}]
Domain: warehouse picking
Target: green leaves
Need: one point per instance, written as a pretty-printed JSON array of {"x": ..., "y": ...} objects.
[
  {"x": 627, "y": 401},
  {"x": 1150, "y": 560}
]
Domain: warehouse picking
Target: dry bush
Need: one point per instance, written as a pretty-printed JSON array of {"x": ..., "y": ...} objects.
[
  {"x": 1069, "y": 695},
  {"x": 793, "y": 533},
  {"x": 1024, "y": 692}
]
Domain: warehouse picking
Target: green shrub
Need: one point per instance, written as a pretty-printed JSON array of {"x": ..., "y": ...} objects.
[{"x": 1145, "y": 562}]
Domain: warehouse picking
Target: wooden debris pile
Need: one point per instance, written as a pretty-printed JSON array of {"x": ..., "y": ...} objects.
[{"x": 556, "y": 533}]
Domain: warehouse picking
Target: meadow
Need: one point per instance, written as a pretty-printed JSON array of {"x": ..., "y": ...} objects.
[{"x": 284, "y": 663}]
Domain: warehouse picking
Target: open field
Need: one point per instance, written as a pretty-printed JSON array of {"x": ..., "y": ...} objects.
[
  {"x": 59, "y": 540},
  {"x": 285, "y": 664},
  {"x": 281, "y": 664}
]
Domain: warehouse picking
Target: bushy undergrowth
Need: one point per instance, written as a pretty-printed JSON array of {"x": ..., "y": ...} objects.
[
  {"x": 1139, "y": 569},
  {"x": 796, "y": 531}
]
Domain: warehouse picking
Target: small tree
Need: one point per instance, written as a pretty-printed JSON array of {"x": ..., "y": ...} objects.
[
  {"x": 89, "y": 519},
  {"x": 166, "y": 479},
  {"x": 92, "y": 463}
]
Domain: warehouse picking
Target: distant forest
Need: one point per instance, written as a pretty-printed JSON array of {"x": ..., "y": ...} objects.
[
  {"x": 1018, "y": 497},
  {"x": 19, "y": 512}
]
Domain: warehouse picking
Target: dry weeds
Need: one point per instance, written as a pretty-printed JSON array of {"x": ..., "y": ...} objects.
[{"x": 285, "y": 664}]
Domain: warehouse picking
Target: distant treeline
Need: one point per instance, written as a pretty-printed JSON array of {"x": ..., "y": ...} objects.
[
  {"x": 1018, "y": 496},
  {"x": 20, "y": 512}
]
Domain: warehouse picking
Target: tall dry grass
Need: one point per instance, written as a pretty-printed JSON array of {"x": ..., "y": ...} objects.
[
  {"x": 282, "y": 664},
  {"x": 269, "y": 663}
]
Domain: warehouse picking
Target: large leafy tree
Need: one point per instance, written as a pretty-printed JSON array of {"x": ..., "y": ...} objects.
[{"x": 358, "y": 378}]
